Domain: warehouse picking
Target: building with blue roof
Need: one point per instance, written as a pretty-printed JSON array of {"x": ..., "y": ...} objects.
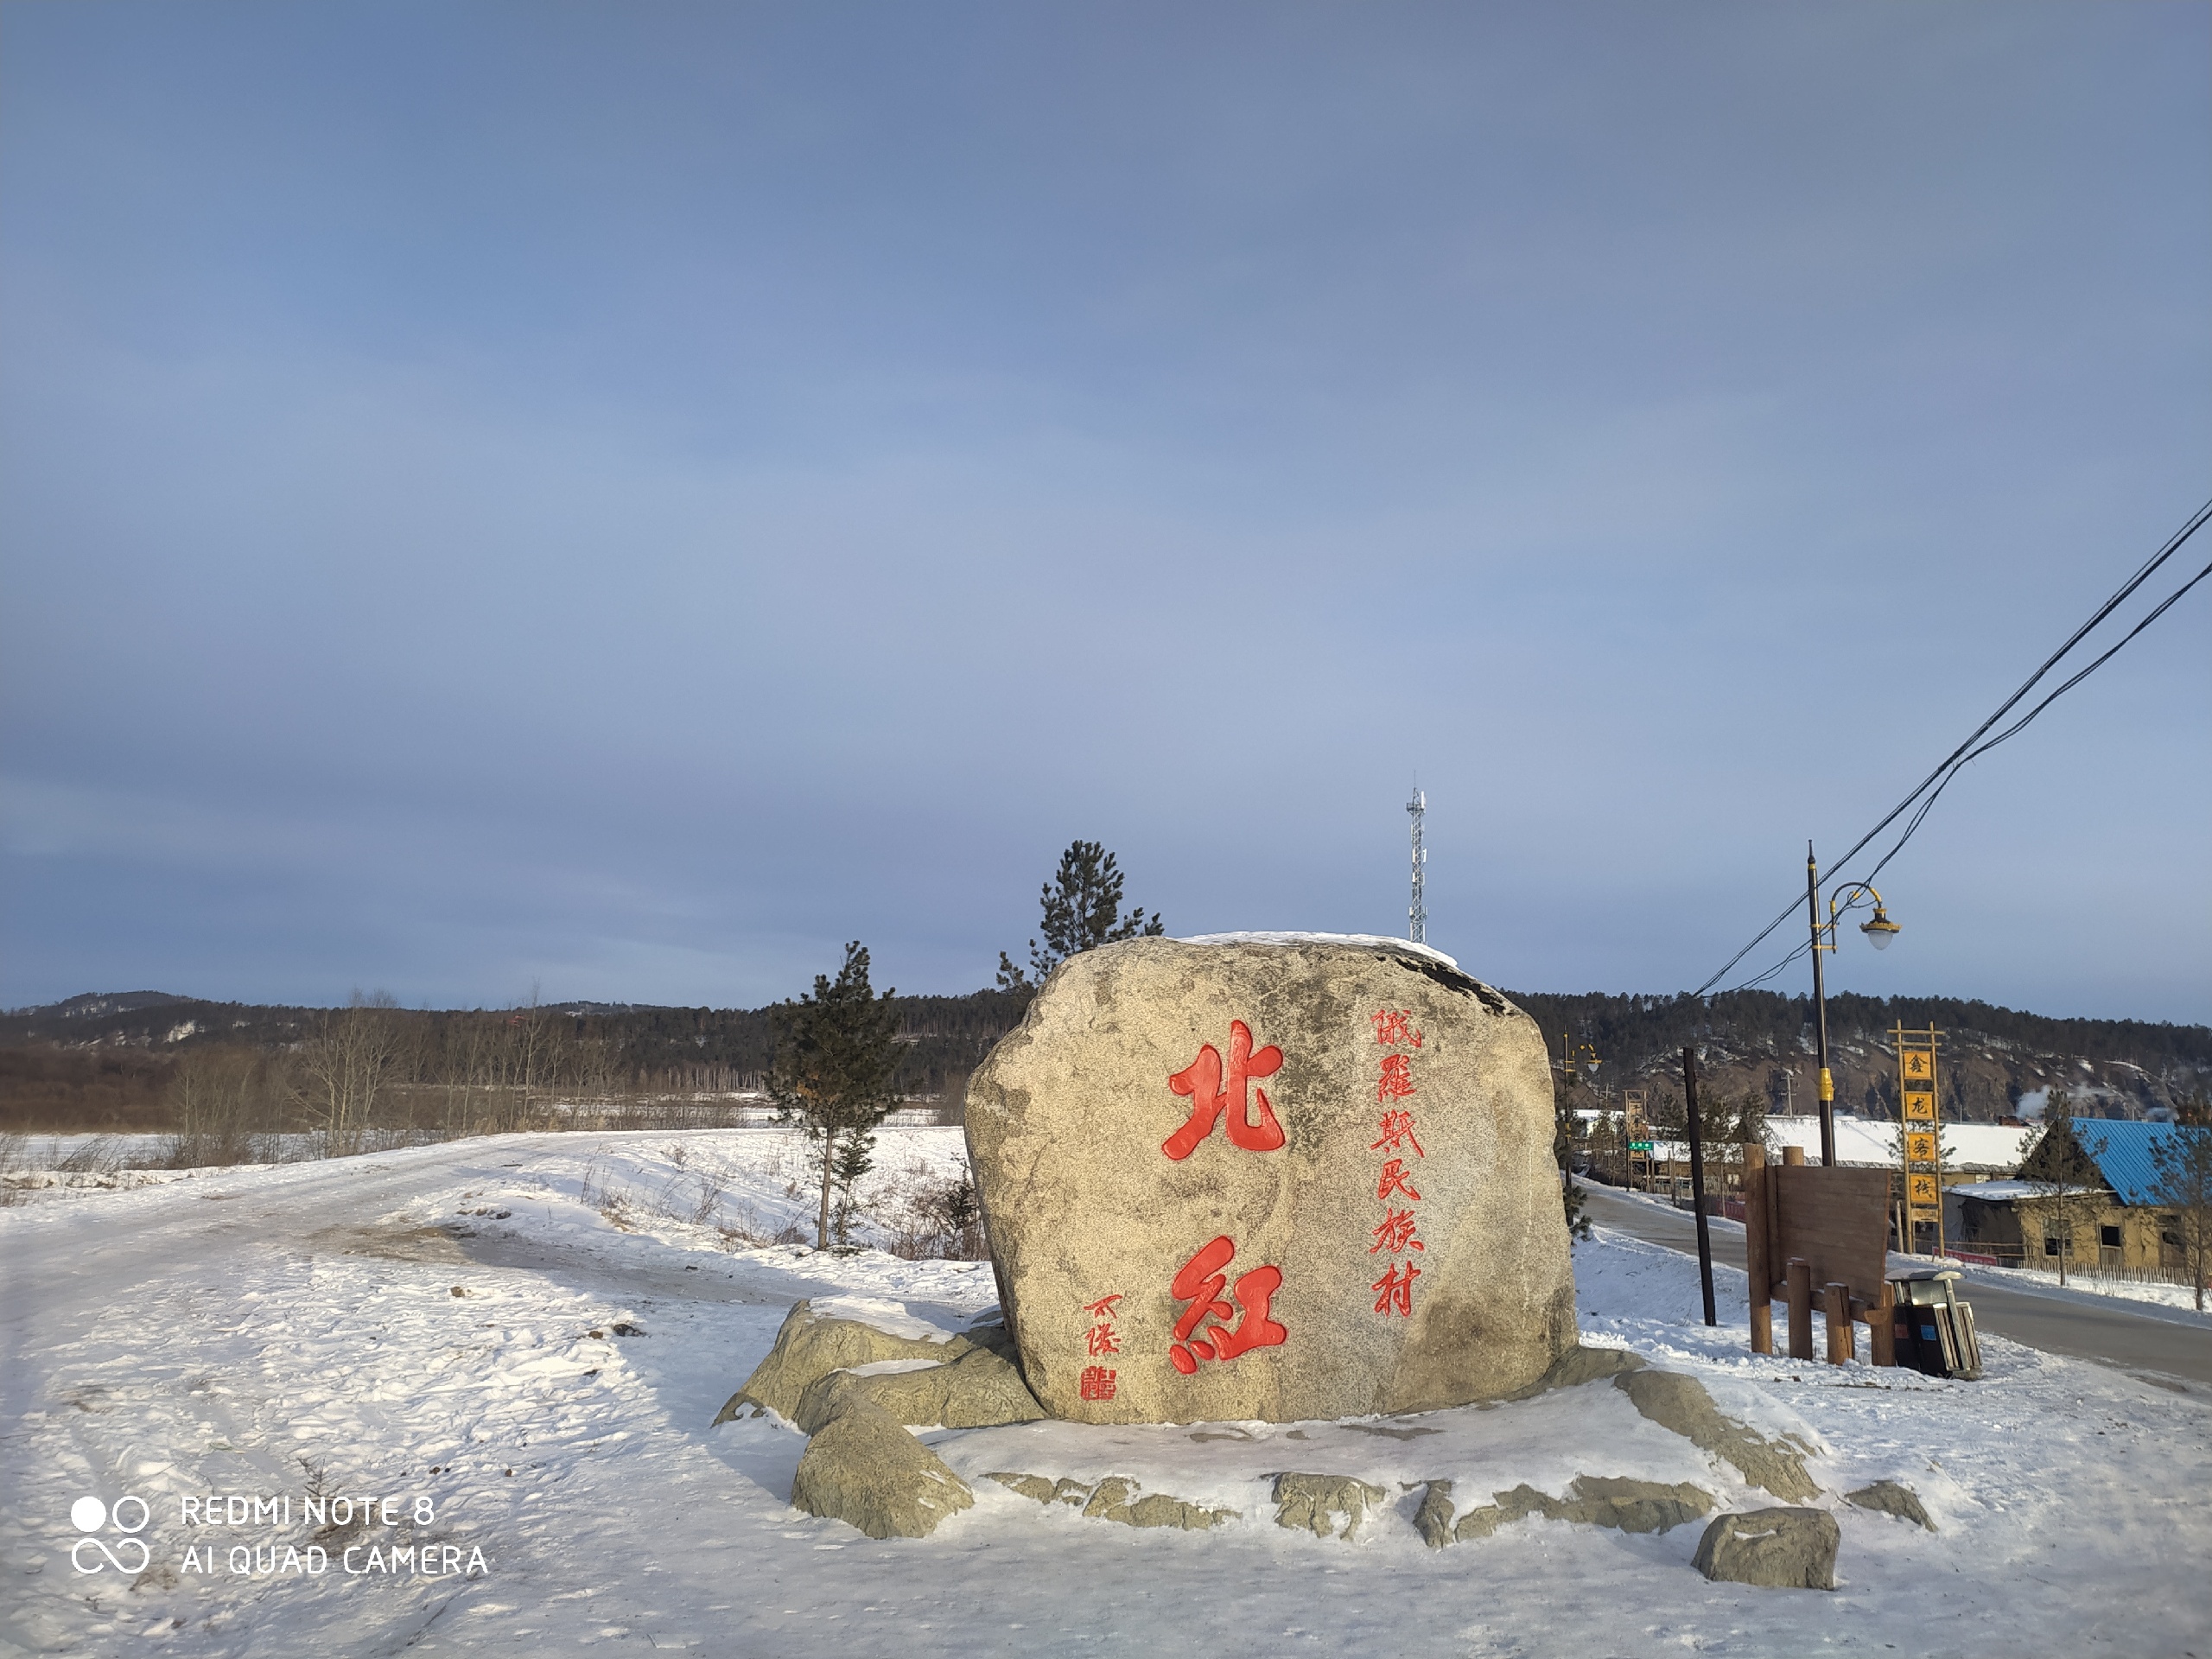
[
  {"x": 2122, "y": 1152},
  {"x": 2090, "y": 1194}
]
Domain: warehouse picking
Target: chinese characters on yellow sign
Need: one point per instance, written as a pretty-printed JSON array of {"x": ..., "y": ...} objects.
[{"x": 1922, "y": 1151}]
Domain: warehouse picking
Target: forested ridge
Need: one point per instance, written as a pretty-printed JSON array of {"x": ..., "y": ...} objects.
[{"x": 106, "y": 1058}]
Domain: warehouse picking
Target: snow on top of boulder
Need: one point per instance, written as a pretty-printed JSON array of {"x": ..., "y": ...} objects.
[
  {"x": 1364, "y": 941},
  {"x": 893, "y": 1367},
  {"x": 889, "y": 1316}
]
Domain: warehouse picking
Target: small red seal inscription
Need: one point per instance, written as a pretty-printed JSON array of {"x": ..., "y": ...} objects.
[{"x": 1101, "y": 1339}]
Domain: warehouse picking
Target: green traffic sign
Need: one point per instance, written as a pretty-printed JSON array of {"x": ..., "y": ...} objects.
[{"x": 1639, "y": 1145}]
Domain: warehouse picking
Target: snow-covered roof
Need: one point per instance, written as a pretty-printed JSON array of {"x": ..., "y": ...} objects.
[
  {"x": 1996, "y": 1191},
  {"x": 1366, "y": 941},
  {"x": 1872, "y": 1142}
]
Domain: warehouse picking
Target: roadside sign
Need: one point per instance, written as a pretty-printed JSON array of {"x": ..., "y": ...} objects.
[
  {"x": 1921, "y": 1148},
  {"x": 1639, "y": 1149}
]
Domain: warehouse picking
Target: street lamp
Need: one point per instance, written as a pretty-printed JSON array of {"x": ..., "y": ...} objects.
[{"x": 1880, "y": 931}]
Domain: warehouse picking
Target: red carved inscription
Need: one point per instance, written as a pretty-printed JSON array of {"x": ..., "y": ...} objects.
[
  {"x": 1200, "y": 1282},
  {"x": 1214, "y": 1091}
]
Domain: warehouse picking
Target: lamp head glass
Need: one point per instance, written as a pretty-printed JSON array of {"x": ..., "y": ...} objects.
[{"x": 1881, "y": 929}]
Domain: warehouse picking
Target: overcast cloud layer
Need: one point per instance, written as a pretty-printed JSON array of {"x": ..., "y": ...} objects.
[{"x": 622, "y": 499}]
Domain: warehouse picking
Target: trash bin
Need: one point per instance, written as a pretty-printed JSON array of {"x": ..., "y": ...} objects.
[{"x": 1934, "y": 1330}]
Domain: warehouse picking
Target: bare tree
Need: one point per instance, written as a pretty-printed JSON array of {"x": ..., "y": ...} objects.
[
  {"x": 343, "y": 1070},
  {"x": 220, "y": 1098},
  {"x": 2183, "y": 1186}
]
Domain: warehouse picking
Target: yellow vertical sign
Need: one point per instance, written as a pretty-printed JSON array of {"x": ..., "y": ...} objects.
[{"x": 1920, "y": 1134}]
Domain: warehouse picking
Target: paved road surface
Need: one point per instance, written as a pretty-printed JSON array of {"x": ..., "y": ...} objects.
[{"x": 2157, "y": 1344}]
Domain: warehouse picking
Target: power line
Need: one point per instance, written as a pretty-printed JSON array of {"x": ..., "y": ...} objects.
[
  {"x": 2021, "y": 724},
  {"x": 1940, "y": 778}
]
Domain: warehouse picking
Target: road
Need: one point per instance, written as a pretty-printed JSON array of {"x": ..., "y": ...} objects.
[{"x": 2159, "y": 1344}]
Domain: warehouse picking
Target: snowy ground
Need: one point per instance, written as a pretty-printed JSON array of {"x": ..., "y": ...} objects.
[{"x": 228, "y": 1333}]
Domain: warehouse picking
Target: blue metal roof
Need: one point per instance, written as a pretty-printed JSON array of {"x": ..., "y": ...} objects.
[{"x": 2122, "y": 1152}]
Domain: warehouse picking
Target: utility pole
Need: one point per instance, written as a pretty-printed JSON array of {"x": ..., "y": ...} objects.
[
  {"x": 1820, "y": 1010},
  {"x": 1697, "y": 1179},
  {"x": 1417, "y": 912}
]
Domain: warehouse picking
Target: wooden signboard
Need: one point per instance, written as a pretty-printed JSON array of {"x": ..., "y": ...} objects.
[
  {"x": 1838, "y": 1220},
  {"x": 1812, "y": 1233}
]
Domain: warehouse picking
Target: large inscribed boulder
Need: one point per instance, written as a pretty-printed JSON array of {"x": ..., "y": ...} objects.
[{"x": 1272, "y": 1177}]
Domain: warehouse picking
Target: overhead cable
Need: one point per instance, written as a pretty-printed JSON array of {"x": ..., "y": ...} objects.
[{"x": 1932, "y": 785}]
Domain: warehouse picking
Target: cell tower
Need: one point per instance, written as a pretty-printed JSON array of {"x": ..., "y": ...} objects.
[{"x": 1417, "y": 912}]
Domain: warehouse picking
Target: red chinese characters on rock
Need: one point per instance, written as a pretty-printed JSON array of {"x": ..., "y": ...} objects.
[
  {"x": 1392, "y": 1181},
  {"x": 1397, "y": 1080},
  {"x": 1394, "y": 1027},
  {"x": 1200, "y": 1282},
  {"x": 1214, "y": 1091},
  {"x": 1397, "y": 1133},
  {"x": 1097, "y": 1381},
  {"x": 1395, "y": 1234},
  {"x": 1395, "y": 1289},
  {"x": 1399, "y": 1230}
]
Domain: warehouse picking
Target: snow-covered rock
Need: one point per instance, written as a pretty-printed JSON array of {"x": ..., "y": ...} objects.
[{"x": 1273, "y": 1178}]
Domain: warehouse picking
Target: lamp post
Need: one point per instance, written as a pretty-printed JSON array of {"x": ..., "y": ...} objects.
[{"x": 1878, "y": 932}]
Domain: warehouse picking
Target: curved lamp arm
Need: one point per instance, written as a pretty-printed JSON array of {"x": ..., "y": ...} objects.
[{"x": 1879, "y": 931}]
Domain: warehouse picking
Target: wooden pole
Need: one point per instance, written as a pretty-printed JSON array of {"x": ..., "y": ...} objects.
[
  {"x": 1800, "y": 1290},
  {"x": 1838, "y": 1297},
  {"x": 1881, "y": 1330},
  {"x": 1794, "y": 1156},
  {"x": 1757, "y": 1231},
  {"x": 1697, "y": 1182}
]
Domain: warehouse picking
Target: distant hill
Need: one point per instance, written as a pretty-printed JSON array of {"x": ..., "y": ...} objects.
[
  {"x": 94, "y": 1004},
  {"x": 1992, "y": 1057},
  {"x": 104, "y": 1057}
]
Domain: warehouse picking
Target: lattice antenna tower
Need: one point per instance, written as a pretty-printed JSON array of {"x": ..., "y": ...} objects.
[{"x": 1417, "y": 912}]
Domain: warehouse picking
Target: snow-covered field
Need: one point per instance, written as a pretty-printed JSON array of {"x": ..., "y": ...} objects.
[{"x": 523, "y": 1340}]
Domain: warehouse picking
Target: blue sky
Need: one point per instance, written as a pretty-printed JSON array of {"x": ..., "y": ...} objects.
[{"x": 622, "y": 499}]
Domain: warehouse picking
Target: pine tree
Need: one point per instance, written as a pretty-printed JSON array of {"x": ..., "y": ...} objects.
[
  {"x": 835, "y": 1056},
  {"x": 2065, "y": 1180},
  {"x": 1083, "y": 910}
]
